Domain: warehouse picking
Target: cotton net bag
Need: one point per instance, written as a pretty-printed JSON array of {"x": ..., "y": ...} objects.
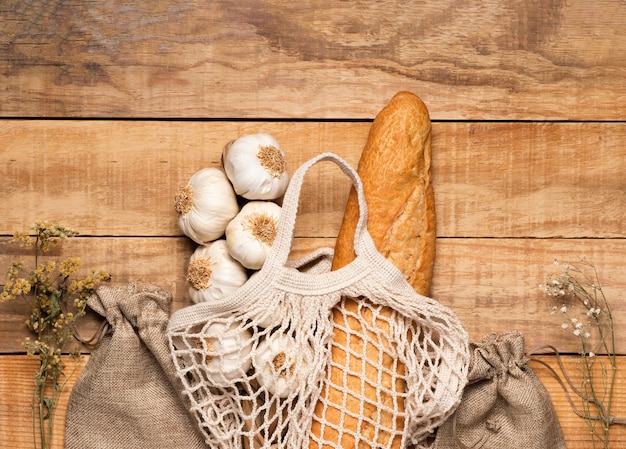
[
  {"x": 505, "y": 405},
  {"x": 127, "y": 395},
  {"x": 254, "y": 363}
]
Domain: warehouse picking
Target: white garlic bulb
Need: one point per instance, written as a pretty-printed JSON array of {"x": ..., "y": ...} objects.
[
  {"x": 213, "y": 273},
  {"x": 228, "y": 352},
  {"x": 206, "y": 205},
  {"x": 282, "y": 365},
  {"x": 267, "y": 319},
  {"x": 256, "y": 166},
  {"x": 250, "y": 235}
]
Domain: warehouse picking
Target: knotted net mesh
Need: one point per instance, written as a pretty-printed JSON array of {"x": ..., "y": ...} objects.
[{"x": 273, "y": 376}]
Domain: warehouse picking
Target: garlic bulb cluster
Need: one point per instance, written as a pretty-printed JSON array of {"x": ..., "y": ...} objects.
[
  {"x": 256, "y": 167},
  {"x": 250, "y": 235},
  {"x": 253, "y": 173},
  {"x": 206, "y": 205},
  {"x": 213, "y": 273}
]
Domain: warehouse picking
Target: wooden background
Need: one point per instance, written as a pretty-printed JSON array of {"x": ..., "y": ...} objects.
[{"x": 107, "y": 108}]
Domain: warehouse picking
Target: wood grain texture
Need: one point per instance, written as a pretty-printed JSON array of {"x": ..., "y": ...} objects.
[
  {"x": 490, "y": 179},
  {"x": 120, "y": 178},
  {"x": 16, "y": 372},
  {"x": 497, "y": 60},
  {"x": 478, "y": 278},
  {"x": 16, "y": 391}
]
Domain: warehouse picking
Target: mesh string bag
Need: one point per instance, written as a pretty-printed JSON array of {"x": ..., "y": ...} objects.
[{"x": 254, "y": 364}]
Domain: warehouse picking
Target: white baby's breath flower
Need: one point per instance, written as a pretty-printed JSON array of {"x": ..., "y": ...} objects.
[
  {"x": 553, "y": 312},
  {"x": 564, "y": 326},
  {"x": 577, "y": 332},
  {"x": 563, "y": 308},
  {"x": 594, "y": 312},
  {"x": 587, "y": 335}
]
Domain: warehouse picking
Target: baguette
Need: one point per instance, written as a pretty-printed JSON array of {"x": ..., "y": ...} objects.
[{"x": 395, "y": 172}]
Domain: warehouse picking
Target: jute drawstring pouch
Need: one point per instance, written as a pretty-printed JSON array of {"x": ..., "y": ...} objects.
[
  {"x": 254, "y": 363},
  {"x": 504, "y": 405},
  {"x": 125, "y": 396}
]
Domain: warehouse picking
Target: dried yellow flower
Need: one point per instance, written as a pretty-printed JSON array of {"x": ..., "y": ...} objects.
[{"x": 69, "y": 266}]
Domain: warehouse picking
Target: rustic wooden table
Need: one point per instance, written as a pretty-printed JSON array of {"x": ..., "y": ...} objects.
[{"x": 108, "y": 107}]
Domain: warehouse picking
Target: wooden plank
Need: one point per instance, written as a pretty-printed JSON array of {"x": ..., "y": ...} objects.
[
  {"x": 490, "y": 179},
  {"x": 15, "y": 389},
  {"x": 271, "y": 59},
  {"x": 530, "y": 179},
  {"x": 492, "y": 284}
]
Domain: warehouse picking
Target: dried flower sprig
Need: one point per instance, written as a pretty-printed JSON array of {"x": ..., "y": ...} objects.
[
  {"x": 57, "y": 303},
  {"x": 586, "y": 314}
]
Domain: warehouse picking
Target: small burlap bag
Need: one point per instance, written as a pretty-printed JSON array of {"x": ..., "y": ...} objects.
[
  {"x": 504, "y": 405},
  {"x": 125, "y": 396},
  {"x": 253, "y": 364}
]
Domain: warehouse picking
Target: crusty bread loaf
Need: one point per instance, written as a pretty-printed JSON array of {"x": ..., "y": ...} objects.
[{"x": 395, "y": 171}]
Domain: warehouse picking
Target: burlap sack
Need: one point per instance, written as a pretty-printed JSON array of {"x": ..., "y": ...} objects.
[
  {"x": 125, "y": 395},
  {"x": 504, "y": 404}
]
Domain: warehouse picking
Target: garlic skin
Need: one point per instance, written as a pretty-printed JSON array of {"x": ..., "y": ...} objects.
[
  {"x": 206, "y": 205},
  {"x": 250, "y": 235},
  {"x": 267, "y": 319},
  {"x": 281, "y": 364},
  {"x": 229, "y": 349},
  {"x": 213, "y": 273},
  {"x": 256, "y": 167}
]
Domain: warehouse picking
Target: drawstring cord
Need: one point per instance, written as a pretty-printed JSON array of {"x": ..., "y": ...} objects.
[
  {"x": 96, "y": 337},
  {"x": 611, "y": 419},
  {"x": 458, "y": 441}
]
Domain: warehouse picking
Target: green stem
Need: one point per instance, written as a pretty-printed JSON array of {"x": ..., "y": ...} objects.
[
  {"x": 40, "y": 385},
  {"x": 57, "y": 389},
  {"x": 609, "y": 347},
  {"x": 33, "y": 420},
  {"x": 589, "y": 395}
]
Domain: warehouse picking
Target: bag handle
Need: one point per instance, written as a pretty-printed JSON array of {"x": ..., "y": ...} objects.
[
  {"x": 277, "y": 269},
  {"x": 281, "y": 247}
]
